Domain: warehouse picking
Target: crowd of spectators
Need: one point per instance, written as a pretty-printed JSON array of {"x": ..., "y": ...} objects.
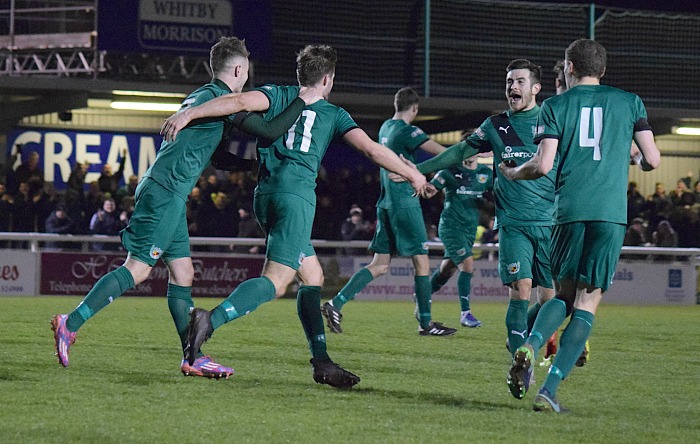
[{"x": 220, "y": 205}]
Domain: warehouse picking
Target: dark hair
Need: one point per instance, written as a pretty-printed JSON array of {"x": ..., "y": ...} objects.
[
  {"x": 224, "y": 50},
  {"x": 405, "y": 98},
  {"x": 314, "y": 62},
  {"x": 535, "y": 70},
  {"x": 589, "y": 58},
  {"x": 559, "y": 70}
]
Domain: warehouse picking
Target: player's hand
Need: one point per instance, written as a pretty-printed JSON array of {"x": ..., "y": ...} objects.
[
  {"x": 507, "y": 168},
  {"x": 309, "y": 95},
  {"x": 173, "y": 125},
  {"x": 428, "y": 191}
]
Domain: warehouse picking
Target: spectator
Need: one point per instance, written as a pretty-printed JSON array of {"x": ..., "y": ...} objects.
[
  {"x": 696, "y": 191},
  {"x": 94, "y": 198},
  {"x": 677, "y": 194},
  {"x": 686, "y": 221},
  {"x": 356, "y": 228},
  {"x": 248, "y": 226},
  {"x": 24, "y": 213},
  {"x": 30, "y": 173},
  {"x": 636, "y": 234},
  {"x": 194, "y": 206},
  {"x": 59, "y": 222},
  {"x": 665, "y": 235},
  {"x": 490, "y": 236},
  {"x": 108, "y": 181},
  {"x": 128, "y": 190},
  {"x": 636, "y": 204},
  {"x": 46, "y": 201},
  {"x": 109, "y": 222},
  {"x": 218, "y": 218},
  {"x": 6, "y": 209},
  {"x": 76, "y": 180}
]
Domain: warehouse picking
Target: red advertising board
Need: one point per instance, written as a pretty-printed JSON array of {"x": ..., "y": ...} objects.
[{"x": 76, "y": 273}]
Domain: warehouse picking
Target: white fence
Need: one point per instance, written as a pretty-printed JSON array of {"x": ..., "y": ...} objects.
[{"x": 647, "y": 275}]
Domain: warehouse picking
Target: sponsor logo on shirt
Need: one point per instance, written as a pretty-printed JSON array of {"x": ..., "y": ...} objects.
[
  {"x": 416, "y": 132},
  {"x": 479, "y": 133},
  {"x": 509, "y": 153}
]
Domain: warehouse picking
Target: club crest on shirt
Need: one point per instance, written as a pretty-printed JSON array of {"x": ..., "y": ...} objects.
[
  {"x": 155, "y": 252},
  {"x": 481, "y": 178},
  {"x": 514, "y": 267}
]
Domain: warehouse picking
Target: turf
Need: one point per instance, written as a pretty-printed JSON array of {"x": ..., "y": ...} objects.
[{"x": 124, "y": 384}]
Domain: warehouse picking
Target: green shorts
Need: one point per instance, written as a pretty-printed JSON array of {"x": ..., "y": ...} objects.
[
  {"x": 400, "y": 232},
  {"x": 587, "y": 252},
  {"x": 287, "y": 219},
  {"x": 158, "y": 227},
  {"x": 524, "y": 253},
  {"x": 458, "y": 241}
]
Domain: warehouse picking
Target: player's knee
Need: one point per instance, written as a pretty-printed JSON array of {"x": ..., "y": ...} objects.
[
  {"x": 378, "y": 270},
  {"x": 568, "y": 302}
]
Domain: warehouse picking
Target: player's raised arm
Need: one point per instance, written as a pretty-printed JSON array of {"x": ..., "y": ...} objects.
[
  {"x": 221, "y": 106},
  {"x": 386, "y": 158}
]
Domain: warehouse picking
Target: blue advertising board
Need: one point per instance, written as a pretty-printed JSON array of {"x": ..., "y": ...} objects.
[
  {"x": 182, "y": 26},
  {"x": 60, "y": 150}
]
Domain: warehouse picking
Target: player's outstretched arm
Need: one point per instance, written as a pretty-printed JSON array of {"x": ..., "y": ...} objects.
[
  {"x": 386, "y": 158},
  {"x": 648, "y": 156},
  {"x": 220, "y": 106},
  {"x": 257, "y": 126},
  {"x": 451, "y": 156},
  {"x": 539, "y": 165}
]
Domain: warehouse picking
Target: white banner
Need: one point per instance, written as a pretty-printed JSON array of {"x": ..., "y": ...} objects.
[
  {"x": 17, "y": 273},
  {"x": 638, "y": 283}
]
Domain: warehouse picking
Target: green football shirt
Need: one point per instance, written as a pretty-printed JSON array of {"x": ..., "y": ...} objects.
[
  {"x": 179, "y": 163},
  {"x": 403, "y": 139},
  {"x": 510, "y": 136},
  {"x": 595, "y": 125},
  {"x": 290, "y": 164},
  {"x": 464, "y": 189}
]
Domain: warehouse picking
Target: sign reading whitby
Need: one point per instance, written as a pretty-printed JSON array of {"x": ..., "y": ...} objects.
[{"x": 182, "y": 26}]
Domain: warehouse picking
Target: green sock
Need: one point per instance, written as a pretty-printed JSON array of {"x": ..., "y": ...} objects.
[
  {"x": 309, "y": 311},
  {"x": 248, "y": 296},
  {"x": 571, "y": 344},
  {"x": 180, "y": 304},
  {"x": 464, "y": 288},
  {"x": 108, "y": 288},
  {"x": 516, "y": 323},
  {"x": 532, "y": 314},
  {"x": 422, "y": 286},
  {"x": 437, "y": 281},
  {"x": 550, "y": 317},
  {"x": 357, "y": 282}
]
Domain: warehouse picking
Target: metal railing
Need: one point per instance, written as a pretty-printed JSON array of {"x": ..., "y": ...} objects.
[{"x": 35, "y": 240}]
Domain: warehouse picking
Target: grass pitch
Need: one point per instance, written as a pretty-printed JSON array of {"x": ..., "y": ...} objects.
[{"x": 124, "y": 383}]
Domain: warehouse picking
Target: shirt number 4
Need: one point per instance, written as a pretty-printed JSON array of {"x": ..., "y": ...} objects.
[{"x": 587, "y": 121}]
